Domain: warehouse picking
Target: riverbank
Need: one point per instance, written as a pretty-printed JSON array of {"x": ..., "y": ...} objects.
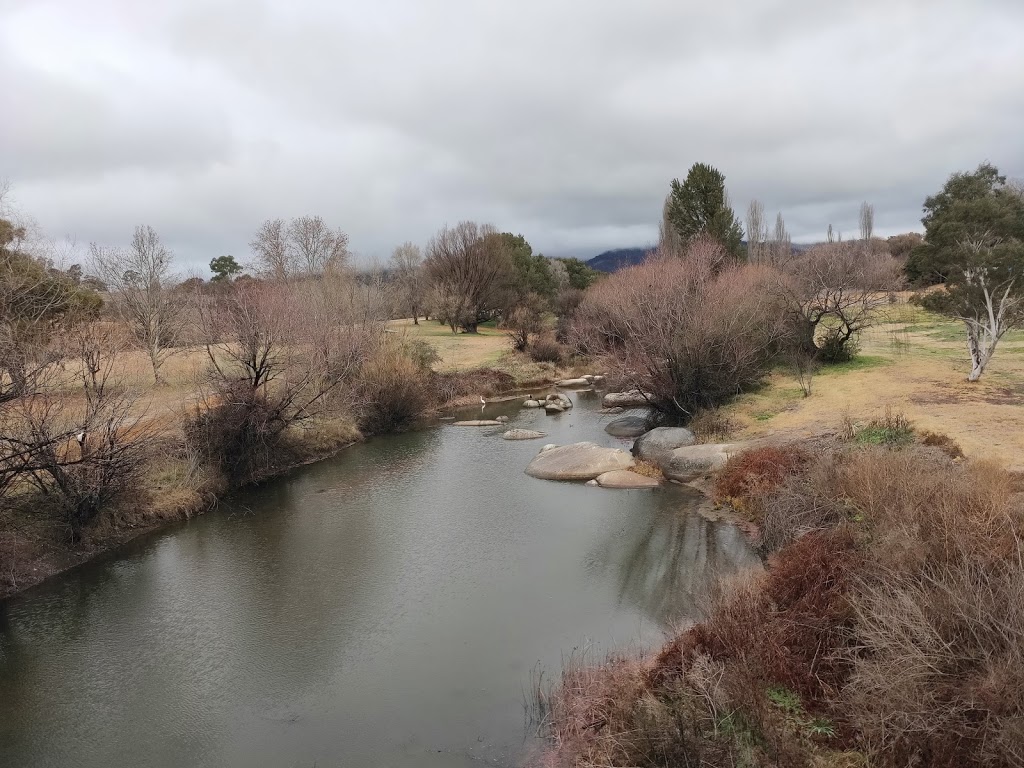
[
  {"x": 177, "y": 485},
  {"x": 886, "y": 630}
]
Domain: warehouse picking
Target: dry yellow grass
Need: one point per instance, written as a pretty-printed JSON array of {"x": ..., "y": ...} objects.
[
  {"x": 913, "y": 362},
  {"x": 458, "y": 351}
]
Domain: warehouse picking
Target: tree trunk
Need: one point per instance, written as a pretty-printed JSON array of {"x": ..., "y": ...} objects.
[{"x": 980, "y": 355}]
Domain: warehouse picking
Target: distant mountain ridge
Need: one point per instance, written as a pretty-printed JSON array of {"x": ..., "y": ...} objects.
[{"x": 618, "y": 258}]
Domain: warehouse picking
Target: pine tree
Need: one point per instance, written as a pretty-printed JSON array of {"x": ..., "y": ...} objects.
[{"x": 700, "y": 206}]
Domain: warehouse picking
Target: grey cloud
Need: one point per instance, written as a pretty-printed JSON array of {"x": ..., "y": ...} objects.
[{"x": 563, "y": 121}]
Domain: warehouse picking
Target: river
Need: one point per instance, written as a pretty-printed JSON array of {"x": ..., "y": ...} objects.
[{"x": 382, "y": 608}]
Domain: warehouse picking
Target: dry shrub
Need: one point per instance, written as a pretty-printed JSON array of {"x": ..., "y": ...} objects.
[
  {"x": 750, "y": 475},
  {"x": 393, "y": 392},
  {"x": 546, "y": 349},
  {"x": 694, "y": 331},
  {"x": 710, "y": 425},
  {"x": 801, "y": 503},
  {"x": 487, "y": 382},
  {"x": 648, "y": 469},
  {"x": 943, "y": 442},
  {"x": 604, "y": 714}
]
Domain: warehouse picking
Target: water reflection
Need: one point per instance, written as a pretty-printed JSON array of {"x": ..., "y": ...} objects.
[{"x": 668, "y": 567}]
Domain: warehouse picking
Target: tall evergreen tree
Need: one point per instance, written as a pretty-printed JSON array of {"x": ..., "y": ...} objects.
[
  {"x": 700, "y": 206},
  {"x": 975, "y": 207}
]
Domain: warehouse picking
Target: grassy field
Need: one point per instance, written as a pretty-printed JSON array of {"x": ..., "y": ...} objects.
[
  {"x": 458, "y": 351},
  {"x": 912, "y": 362}
]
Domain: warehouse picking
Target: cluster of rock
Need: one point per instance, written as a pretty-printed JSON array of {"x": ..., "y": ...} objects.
[{"x": 553, "y": 403}]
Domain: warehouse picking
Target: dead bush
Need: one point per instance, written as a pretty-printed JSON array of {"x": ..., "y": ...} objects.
[
  {"x": 546, "y": 349},
  {"x": 710, "y": 425},
  {"x": 393, "y": 393},
  {"x": 752, "y": 474},
  {"x": 694, "y": 331},
  {"x": 943, "y": 442}
]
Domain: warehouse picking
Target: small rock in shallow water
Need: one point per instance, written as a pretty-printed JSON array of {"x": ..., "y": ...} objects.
[
  {"x": 523, "y": 434},
  {"x": 477, "y": 423}
]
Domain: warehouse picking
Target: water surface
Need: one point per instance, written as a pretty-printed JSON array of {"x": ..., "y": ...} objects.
[{"x": 382, "y": 608}]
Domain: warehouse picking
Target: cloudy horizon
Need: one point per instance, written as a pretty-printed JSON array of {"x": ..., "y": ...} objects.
[{"x": 563, "y": 121}]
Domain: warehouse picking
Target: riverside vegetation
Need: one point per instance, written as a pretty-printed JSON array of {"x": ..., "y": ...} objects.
[{"x": 885, "y": 630}]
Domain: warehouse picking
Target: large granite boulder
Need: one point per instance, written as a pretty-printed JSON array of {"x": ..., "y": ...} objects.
[
  {"x": 477, "y": 423},
  {"x": 627, "y": 426},
  {"x": 579, "y": 461},
  {"x": 573, "y": 383},
  {"x": 629, "y": 399},
  {"x": 657, "y": 444},
  {"x": 554, "y": 407},
  {"x": 623, "y": 478},
  {"x": 696, "y": 461},
  {"x": 531, "y": 403},
  {"x": 523, "y": 434}
]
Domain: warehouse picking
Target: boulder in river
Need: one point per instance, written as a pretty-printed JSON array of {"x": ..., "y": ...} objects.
[
  {"x": 554, "y": 407},
  {"x": 548, "y": 447},
  {"x": 629, "y": 399},
  {"x": 579, "y": 461},
  {"x": 502, "y": 419},
  {"x": 624, "y": 478},
  {"x": 531, "y": 403},
  {"x": 695, "y": 461},
  {"x": 477, "y": 423},
  {"x": 523, "y": 434},
  {"x": 581, "y": 382},
  {"x": 658, "y": 443},
  {"x": 612, "y": 411},
  {"x": 627, "y": 426}
]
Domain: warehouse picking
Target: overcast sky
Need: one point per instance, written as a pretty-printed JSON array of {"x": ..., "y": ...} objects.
[{"x": 563, "y": 120}]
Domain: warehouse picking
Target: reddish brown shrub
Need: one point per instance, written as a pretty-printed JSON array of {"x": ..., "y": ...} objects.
[{"x": 749, "y": 475}]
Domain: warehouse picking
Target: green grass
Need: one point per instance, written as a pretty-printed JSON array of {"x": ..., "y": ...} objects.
[{"x": 859, "y": 363}]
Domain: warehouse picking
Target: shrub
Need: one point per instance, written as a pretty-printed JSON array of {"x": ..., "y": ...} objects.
[
  {"x": 392, "y": 393},
  {"x": 546, "y": 349},
  {"x": 834, "y": 347},
  {"x": 757, "y": 472},
  {"x": 893, "y": 429},
  {"x": 710, "y": 425},
  {"x": 944, "y": 443}
]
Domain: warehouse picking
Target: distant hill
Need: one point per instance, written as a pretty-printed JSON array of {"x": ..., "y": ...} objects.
[
  {"x": 614, "y": 260},
  {"x": 611, "y": 261}
]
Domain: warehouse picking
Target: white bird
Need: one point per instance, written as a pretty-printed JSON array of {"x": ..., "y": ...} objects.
[
  {"x": 80, "y": 437},
  {"x": 482, "y": 401}
]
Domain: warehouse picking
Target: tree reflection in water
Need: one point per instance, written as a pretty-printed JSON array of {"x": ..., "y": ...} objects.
[{"x": 669, "y": 567}]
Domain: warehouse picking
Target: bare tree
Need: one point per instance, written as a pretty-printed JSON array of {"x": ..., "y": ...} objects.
[
  {"x": 691, "y": 331},
  {"x": 839, "y": 286},
  {"x": 867, "y": 221},
  {"x": 407, "y": 263},
  {"x": 757, "y": 233},
  {"x": 142, "y": 283},
  {"x": 779, "y": 248},
  {"x": 470, "y": 268},
  {"x": 304, "y": 246},
  {"x": 270, "y": 248}
]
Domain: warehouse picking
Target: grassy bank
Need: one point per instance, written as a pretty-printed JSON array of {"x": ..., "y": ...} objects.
[
  {"x": 177, "y": 482},
  {"x": 914, "y": 362}
]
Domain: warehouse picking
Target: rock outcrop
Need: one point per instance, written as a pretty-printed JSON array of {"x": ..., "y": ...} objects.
[
  {"x": 627, "y": 426},
  {"x": 623, "y": 478},
  {"x": 629, "y": 399},
  {"x": 692, "y": 462},
  {"x": 658, "y": 443},
  {"x": 579, "y": 461}
]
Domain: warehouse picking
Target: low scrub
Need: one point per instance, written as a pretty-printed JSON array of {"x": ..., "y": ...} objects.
[
  {"x": 753, "y": 474},
  {"x": 393, "y": 393},
  {"x": 546, "y": 349},
  {"x": 887, "y": 630}
]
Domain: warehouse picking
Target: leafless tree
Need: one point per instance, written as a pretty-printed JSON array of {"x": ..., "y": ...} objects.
[
  {"x": 778, "y": 247},
  {"x": 85, "y": 452},
  {"x": 304, "y": 246},
  {"x": 470, "y": 268},
  {"x": 141, "y": 281},
  {"x": 757, "y": 233},
  {"x": 838, "y": 285},
  {"x": 867, "y": 221},
  {"x": 407, "y": 263},
  {"x": 690, "y": 331}
]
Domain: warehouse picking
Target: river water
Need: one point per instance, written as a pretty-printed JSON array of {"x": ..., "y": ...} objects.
[{"x": 383, "y": 608}]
